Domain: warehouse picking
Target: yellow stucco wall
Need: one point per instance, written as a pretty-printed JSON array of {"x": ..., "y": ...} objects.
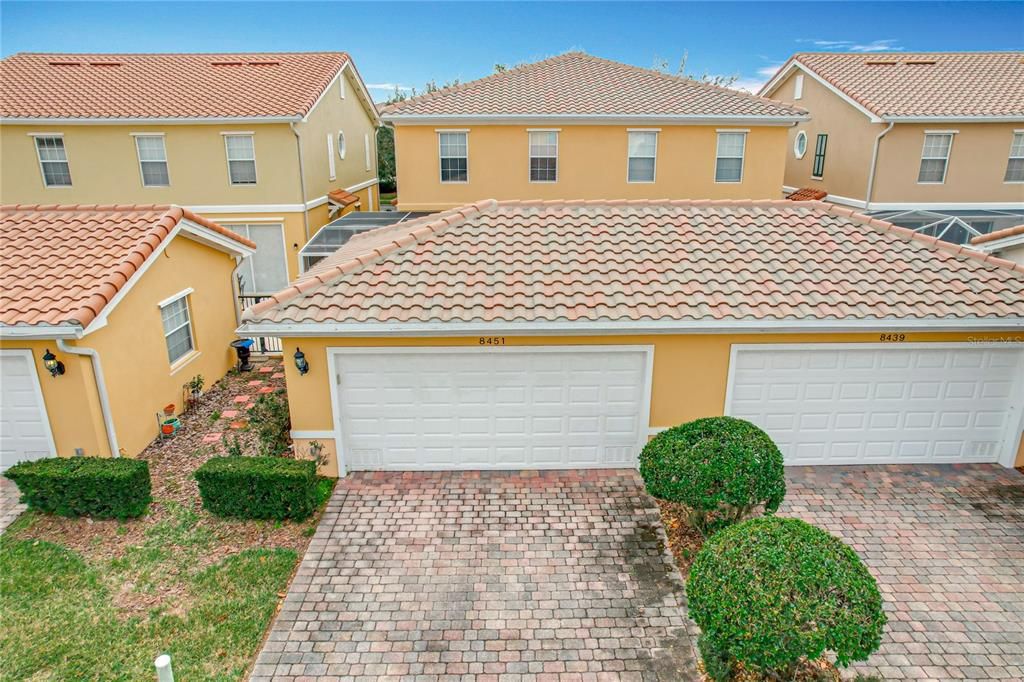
[
  {"x": 592, "y": 165},
  {"x": 690, "y": 371}
]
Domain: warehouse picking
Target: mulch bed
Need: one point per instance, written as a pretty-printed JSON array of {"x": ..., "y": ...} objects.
[{"x": 171, "y": 464}]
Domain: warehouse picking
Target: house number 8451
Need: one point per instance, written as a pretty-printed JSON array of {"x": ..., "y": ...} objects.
[{"x": 492, "y": 340}]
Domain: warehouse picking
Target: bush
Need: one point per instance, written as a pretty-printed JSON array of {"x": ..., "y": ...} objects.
[
  {"x": 103, "y": 487},
  {"x": 771, "y": 590},
  {"x": 722, "y": 468},
  {"x": 258, "y": 487},
  {"x": 270, "y": 418}
]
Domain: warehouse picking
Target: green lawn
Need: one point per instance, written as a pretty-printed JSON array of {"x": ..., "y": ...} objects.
[
  {"x": 386, "y": 197},
  {"x": 66, "y": 618}
]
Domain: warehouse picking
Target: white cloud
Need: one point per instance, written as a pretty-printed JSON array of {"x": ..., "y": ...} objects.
[
  {"x": 751, "y": 85},
  {"x": 390, "y": 87},
  {"x": 883, "y": 45}
]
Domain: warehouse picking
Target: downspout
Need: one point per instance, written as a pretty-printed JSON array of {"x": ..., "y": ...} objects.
[
  {"x": 302, "y": 179},
  {"x": 874, "y": 162},
  {"x": 101, "y": 389}
]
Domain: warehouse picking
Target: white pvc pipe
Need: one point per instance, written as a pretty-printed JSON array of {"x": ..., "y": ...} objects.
[
  {"x": 163, "y": 668},
  {"x": 874, "y": 163},
  {"x": 101, "y": 389}
]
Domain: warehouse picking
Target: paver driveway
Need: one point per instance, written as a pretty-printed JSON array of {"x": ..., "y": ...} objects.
[
  {"x": 947, "y": 546},
  {"x": 484, "y": 576}
]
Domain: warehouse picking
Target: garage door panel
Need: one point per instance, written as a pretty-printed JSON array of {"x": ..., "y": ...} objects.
[
  {"x": 841, "y": 405},
  {"x": 492, "y": 409},
  {"x": 24, "y": 426}
]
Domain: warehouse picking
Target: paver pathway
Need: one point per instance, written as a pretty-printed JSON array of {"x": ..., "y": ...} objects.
[{"x": 10, "y": 508}]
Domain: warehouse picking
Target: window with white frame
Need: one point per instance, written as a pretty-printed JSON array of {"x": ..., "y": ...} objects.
[
  {"x": 935, "y": 157},
  {"x": 543, "y": 155},
  {"x": 366, "y": 151},
  {"x": 266, "y": 271},
  {"x": 241, "y": 153},
  {"x": 152, "y": 155},
  {"x": 643, "y": 155},
  {"x": 729, "y": 157},
  {"x": 53, "y": 160},
  {"x": 800, "y": 145},
  {"x": 330, "y": 157},
  {"x": 1015, "y": 166},
  {"x": 341, "y": 85},
  {"x": 177, "y": 328},
  {"x": 798, "y": 86},
  {"x": 454, "y": 152},
  {"x": 341, "y": 145}
]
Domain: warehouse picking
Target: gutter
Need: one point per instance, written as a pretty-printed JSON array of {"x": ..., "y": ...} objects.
[
  {"x": 874, "y": 164},
  {"x": 101, "y": 389},
  {"x": 302, "y": 179}
]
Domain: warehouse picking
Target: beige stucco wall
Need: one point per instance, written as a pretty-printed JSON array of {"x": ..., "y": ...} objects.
[
  {"x": 592, "y": 165},
  {"x": 690, "y": 371}
]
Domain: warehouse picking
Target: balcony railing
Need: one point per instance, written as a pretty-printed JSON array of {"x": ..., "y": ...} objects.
[{"x": 265, "y": 345}]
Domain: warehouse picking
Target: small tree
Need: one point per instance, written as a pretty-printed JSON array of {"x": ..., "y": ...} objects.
[
  {"x": 270, "y": 418},
  {"x": 770, "y": 592},
  {"x": 721, "y": 468}
]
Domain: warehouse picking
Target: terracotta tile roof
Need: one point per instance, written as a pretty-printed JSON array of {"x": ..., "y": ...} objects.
[
  {"x": 807, "y": 194},
  {"x": 581, "y": 261},
  {"x": 576, "y": 84},
  {"x": 999, "y": 234},
  {"x": 164, "y": 85},
  {"x": 61, "y": 265},
  {"x": 939, "y": 84},
  {"x": 342, "y": 198}
]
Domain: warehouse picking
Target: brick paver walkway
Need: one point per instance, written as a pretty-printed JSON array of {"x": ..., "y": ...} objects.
[
  {"x": 947, "y": 546},
  {"x": 10, "y": 508},
  {"x": 472, "y": 576}
]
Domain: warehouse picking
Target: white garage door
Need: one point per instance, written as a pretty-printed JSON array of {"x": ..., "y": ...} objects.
[
  {"x": 848, "y": 404},
  {"x": 492, "y": 408},
  {"x": 24, "y": 429}
]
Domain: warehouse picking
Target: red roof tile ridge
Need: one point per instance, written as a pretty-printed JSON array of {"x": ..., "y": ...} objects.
[
  {"x": 418, "y": 230},
  {"x": 999, "y": 234}
]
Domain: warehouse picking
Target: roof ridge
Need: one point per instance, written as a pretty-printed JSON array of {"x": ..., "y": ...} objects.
[
  {"x": 996, "y": 235},
  {"x": 168, "y": 54},
  {"x": 868, "y": 55},
  {"x": 414, "y": 232},
  {"x": 106, "y": 208}
]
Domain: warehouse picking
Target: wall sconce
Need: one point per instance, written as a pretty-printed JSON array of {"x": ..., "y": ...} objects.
[
  {"x": 300, "y": 361},
  {"x": 54, "y": 366}
]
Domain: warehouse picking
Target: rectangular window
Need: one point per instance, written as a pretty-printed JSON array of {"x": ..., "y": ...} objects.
[
  {"x": 341, "y": 85},
  {"x": 643, "y": 153},
  {"x": 266, "y": 271},
  {"x": 331, "y": 172},
  {"x": 935, "y": 157},
  {"x": 818, "y": 170},
  {"x": 53, "y": 160},
  {"x": 454, "y": 156},
  {"x": 366, "y": 148},
  {"x": 543, "y": 156},
  {"x": 798, "y": 86},
  {"x": 177, "y": 328},
  {"x": 729, "y": 157},
  {"x": 1015, "y": 166},
  {"x": 152, "y": 160},
  {"x": 241, "y": 159}
]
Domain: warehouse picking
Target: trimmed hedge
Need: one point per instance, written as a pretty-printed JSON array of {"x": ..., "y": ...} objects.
[
  {"x": 771, "y": 590},
  {"x": 722, "y": 468},
  {"x": 103, "y": 487},
  {"x": 258, "y": 487}
]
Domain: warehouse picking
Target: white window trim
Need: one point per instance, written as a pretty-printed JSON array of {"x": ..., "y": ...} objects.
[
  {"x": 1010, "y": 157},
  {"x": 530, "y": 157},
  {"x": 657, "y": 138},
  {"x": 342, "y": 144},
  {"x": 228, "y": 159},
  {"x": 797, "y": 154},
  {"x": 138, "y": 155},
  {"x": 949, "y": 153},
  {"x": 178, "y": 362},
  {"x": 341, "y": 84},
  {"x": 236, "y": 223},
  {"x": 798, "y": 86},
  {"x": 440, "y": 174},
  {"x": 331, "y": 170},
  {"x": 742, "y": 157},
  {"x": 366, "y": 151},
  {"x": 39, "y": 158}
]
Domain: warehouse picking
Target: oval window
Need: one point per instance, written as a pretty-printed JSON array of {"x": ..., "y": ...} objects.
[
  {"x": 341, "y": 144},
  {"x": 800, "y": 145}
]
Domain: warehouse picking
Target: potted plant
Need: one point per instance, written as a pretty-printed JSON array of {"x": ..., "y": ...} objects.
[
  {"x": 193, "y": 389},
  {"x": 169, "y": 410}
]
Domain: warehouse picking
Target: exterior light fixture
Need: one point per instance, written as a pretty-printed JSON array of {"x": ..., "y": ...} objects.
[
  {"x": 54, "y": 366},
  {"x": 300, "y": 361}
]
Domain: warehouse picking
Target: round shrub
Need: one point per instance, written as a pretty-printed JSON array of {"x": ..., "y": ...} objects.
[
  {"x": 722, "y": 468},
  {"x": 771, "y": 590}
]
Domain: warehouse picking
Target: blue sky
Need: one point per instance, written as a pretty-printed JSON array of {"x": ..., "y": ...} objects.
[{"x": 407, "y": 44}]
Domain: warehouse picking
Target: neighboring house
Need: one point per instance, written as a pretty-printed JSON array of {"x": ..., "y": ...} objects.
[
  {"x": 1007, "y": 243},
  {"x": 133, "y": 301},
  {"x": 932, "y": 141},
  {"x": 577, "y": 329},
  {"x": 258, "y": 142},
  {"x": 580, "y": 127}
]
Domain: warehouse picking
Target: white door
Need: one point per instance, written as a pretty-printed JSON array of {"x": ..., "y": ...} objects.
[
  {"x": 492, "y": 408},
  {"x": 871, "y": 404},
  {"x": 24, "y": 428}
]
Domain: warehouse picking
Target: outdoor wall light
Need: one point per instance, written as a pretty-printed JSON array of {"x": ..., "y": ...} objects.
[
  {"x": 300, "y": 361},
  {"x": 54, "y": 366}
]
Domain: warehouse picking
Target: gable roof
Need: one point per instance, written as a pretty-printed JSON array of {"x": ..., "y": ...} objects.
[
  {"x": 579, "y": 85},
  {"x": 927, "y": 85},
  {"x": 63, "y": 265},
  {"x": 635, "y": 265},
  {"x": 272, "y": 86}
]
